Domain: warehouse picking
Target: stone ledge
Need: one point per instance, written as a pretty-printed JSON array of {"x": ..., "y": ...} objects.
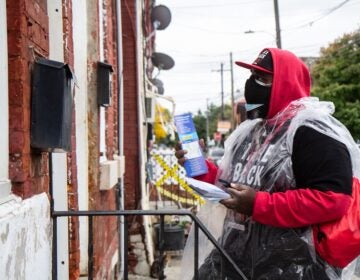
[{"x": 108, "y": 174}]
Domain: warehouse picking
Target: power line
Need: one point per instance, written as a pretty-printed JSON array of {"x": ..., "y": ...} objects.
[
  {"x": 202, "y": 98},
  {"x": 330, "y": 11},
  {"x": 212, "y": 30},
  {"x": 185, "y": 53},
  {"x": 301, "y": 25},
  {"x": 333, "y": 9},
  {"x": 198, "y": 54},
  {"x": 216, "y": 5}
]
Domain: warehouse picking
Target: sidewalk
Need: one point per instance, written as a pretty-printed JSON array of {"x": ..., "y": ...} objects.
[{"x": 173, "y": 271}]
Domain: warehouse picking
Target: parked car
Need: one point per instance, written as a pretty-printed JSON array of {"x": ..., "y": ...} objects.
[{"x": 215, "y": 154}]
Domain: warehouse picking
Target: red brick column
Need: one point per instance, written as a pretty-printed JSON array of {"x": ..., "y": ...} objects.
[
  {"x": 105, "y": 237},
  {"x": 28, "y": 34},
  {"x": 131, "y": 122},
  {"x": 106, "y": 240},
  {"x": 72, "y": 186},
  {"x": 131, "y": 129},
  {"x": 110, "y": 55}
]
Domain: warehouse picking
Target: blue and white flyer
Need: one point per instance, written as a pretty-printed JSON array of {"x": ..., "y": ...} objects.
[{"x": 195, "y": 164}]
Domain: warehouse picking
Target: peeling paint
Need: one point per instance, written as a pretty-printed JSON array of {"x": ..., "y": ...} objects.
[
  {"x": 4, "y": 235},
  {"x": 25, "y": 239},
  {"x": 19, "y": 255},
  {"x": 8, "y": 264}
]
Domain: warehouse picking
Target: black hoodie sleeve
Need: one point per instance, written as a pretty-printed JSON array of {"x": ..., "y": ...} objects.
[
  {"x": 321, "y": 162},
  {"x": 323, "y": 174}
]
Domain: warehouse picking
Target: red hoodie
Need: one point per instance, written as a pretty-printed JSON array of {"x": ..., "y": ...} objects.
[{"x": 300, "y": 207}]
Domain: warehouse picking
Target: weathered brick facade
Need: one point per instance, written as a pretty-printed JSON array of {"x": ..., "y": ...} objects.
[
  {"x": 74, "y": 246},
  {"x": 27, "y": 38},
  {"x": 131, "y": 123},
  {"x": 110, "y": 54},
  {"x": 132, "y": 66},
  {"x": 105, "y": 228}
]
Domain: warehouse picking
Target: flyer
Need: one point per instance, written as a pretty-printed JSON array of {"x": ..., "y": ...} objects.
[
  {"x": 195, "y": 164},
  {"x": 207, "y": 191}
]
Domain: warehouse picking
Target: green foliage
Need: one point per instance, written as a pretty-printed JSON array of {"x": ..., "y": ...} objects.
[
  {"x": 336, "y": 78},
  {"x": 200, "y": 124},
  {"x": 214, "y": 115}
]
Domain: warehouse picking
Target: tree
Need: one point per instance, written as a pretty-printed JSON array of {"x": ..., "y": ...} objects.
[
  {"x": 214, "y": 114},
  {"x": 200, "y": 124},
  {"x": 336, "y": 78}
]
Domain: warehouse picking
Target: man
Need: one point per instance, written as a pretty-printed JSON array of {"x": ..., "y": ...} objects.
[{"x": 290, "y": 169}]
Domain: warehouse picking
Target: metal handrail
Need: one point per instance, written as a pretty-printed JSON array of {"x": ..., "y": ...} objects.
[{"x": 197, "y": 225}]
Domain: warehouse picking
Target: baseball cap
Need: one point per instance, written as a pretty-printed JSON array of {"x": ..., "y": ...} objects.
[{"x": 262, "y": 63}]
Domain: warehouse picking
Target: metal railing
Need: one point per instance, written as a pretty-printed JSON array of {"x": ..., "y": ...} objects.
[{"x": 125, "y": 213}]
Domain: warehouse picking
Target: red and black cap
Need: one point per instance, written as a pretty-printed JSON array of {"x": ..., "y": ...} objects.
[{"x": 262, "y": 63}]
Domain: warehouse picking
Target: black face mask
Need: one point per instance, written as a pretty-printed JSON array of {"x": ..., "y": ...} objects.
[{"x": 257, "y": 94}]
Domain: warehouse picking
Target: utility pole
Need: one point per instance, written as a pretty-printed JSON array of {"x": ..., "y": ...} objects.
[
  {"x": 232, "y": 92},
  {"x": 221, "y": 70},
  {"x": 207, "y": 121},
  {"x": 277, "y": 22},
  {"x": 222, "y": 90}
]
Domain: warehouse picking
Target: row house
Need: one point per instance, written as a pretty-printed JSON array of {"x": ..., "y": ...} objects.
[{"x": 74, "y": 80}]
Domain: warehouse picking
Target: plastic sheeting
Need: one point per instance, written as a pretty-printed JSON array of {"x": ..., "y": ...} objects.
[{"x": 258, "y": 154}]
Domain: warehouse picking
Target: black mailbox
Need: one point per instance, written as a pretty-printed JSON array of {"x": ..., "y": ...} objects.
[
  {"x": 104, "y": 84},
  {"x": 51, "y": 106}
]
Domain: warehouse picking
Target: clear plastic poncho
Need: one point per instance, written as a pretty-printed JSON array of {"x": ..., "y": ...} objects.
[{"x": 258, "y": 154}]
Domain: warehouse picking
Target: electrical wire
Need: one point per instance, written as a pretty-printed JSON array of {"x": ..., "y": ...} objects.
[
  {"x": 328, "y": 12},
  {"x": 217, "y": 5},
  {"x": 302, "y": 25}
]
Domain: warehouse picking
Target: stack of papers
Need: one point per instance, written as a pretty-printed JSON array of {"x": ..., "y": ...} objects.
[{"x": 207, "y": 191}]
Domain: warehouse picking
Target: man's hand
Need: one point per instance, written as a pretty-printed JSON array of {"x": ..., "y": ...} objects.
[
  {"x": 242, "y": 199},
  {"x": 180, "y": 153}
]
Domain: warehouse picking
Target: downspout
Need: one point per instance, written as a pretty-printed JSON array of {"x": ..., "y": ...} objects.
[
  {"x": 142, "y": 146},
  {"x": 140, "y": 107},
  {"x": 120, "y": 184}
]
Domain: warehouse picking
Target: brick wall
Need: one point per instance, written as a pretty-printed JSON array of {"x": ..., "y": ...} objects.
[
  {"x": 105, "y": 228},
  {"x": 110, "y": 54},
  {"x": 131, "y": 129},
  {"x": 28, "y": 34},
  {"x": 72, "y": 187},
  {"x": 150, "y": 44},
  {"x": 27, "y": 23}
]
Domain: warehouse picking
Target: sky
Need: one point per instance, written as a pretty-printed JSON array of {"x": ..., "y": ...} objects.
[{"x": 203, "y": 33}]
